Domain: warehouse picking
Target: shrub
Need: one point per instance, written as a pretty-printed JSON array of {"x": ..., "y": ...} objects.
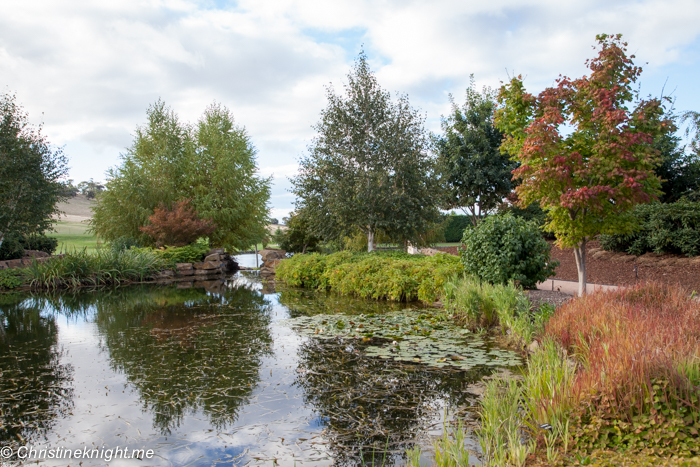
[
  {"x": 663, "y": 228},
  {"x": 11, "y": 278},
  {"x": 11, "y": 247},
  {"x": 379, "y": 275},
  {"x": 123, "y": 243},
  {"x": 171, "y": 255},
  {"x": 178, "y": 226},
  {"x": 40, "y": 242},
  {"x": 504, "y": 248}
]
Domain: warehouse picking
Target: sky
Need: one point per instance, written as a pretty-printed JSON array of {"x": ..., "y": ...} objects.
[{"x": 87, "y": 71}]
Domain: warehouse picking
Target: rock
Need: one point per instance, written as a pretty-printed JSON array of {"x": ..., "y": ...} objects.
[
  {"x": 184, "y": 266},
  {"x": 272, "y": 253},
  {"x": 216, "y": 251},
  {"x": 35, "y": 254},
  {"x": 214, "y": 257},
  {"x": 185, "y": 285},
  {"x": 208, "y": 265},
  {"x": 207, "y": 272},
  {"x": 185, "y": 272},
  {"x": 14, "y": 263},
  {"x": 534, "y": 345}
]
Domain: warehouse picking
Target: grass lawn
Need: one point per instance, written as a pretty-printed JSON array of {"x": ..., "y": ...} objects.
[{"x": 73, "y": 236}]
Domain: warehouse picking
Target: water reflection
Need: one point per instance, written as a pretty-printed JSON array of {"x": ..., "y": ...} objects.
[
  {"x": 208, "y": 376},
  {"x": 187, "y": 350},
  {"x": 35, "y": 387},
  {"x": 377, "y": 408}
]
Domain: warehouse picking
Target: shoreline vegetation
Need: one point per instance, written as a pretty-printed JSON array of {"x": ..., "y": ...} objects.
[{"x": 612, "y": 378}]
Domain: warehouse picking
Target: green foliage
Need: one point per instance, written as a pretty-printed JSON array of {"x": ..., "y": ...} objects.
[
  {"x": 479, "y": 305},
  {"x": 30, "y": 173},
  {"x": 11, "y": 247},
  {"x": 369, "y": 168},
  {"x": 12, "y": 278},
  {"x": 298, "y": 237},
  {"x": 191, "y": 253},
  {"x": 454, "y": 228},
  {"x": 14, "y": 245},
  {"x": 664, "y": 228},
  {"x": 503, "y": 249},
  {"x": 378, "y": 275},
  {"x": 123, "y": 243},
  {"x": 103, "y": 267},
  {"x": 475, "y": 173},
  {"x": 678, "y": 168},
  {"x": 211, "y": 163}
]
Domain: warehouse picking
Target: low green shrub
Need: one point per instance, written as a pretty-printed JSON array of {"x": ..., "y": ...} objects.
[
  {"x": 504, "y": 249},
  {"x": 12, "y": 278},
  {"x": 11, "y": 248},
  {"x": 171, "y": 255},
  {"x": 378, "y": 275},
  {"x": 40, "y": 243},
  {"x": 663, "y": 228},
  {"x": 123, "y": 243}
]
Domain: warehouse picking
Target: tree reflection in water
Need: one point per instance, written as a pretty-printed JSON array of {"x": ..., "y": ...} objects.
[
  {"x": 187, "y": 350},
  {"x": 35, "y": 388},
  {"x": 375, "y": 409}
]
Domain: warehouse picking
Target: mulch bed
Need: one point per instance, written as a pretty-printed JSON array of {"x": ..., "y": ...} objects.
[{"x": 605, "y": 267}]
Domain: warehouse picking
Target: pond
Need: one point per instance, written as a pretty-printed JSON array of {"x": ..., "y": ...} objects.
[{"x": 230, "y": 373}]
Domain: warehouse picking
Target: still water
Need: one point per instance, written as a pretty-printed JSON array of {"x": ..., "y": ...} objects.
[{"x": 212, "y": 375}]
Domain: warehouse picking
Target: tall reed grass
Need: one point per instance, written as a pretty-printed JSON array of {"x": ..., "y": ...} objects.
[{"x": 102, "y": 267}]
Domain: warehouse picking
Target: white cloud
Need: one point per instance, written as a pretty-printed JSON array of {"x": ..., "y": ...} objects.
[{"x": 93, "y": 68}]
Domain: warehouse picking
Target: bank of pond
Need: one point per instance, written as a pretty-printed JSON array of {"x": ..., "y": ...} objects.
[{"x": 319, "y": 368}]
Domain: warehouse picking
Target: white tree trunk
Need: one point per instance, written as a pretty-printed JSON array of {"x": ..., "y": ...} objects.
[
  {"x": 2, "y": 237},
  {"x": 580, "y": 255},
  {"x": 370, "y": 239}
]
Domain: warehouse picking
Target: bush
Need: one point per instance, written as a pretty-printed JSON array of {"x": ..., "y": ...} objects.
[
  {"x": 11, "y": 248},
  {"x": 455, "y": 226},
  {"x": 504, "y": 248},
  {"x": 123, "y": 243},
  {"x": 40, "y": 242},
  {"x": 11, "y": 278},
  {"x": 13, "y": 245},
  {"x": 663, "y": 228},
  {"x": 379, "y": 275},
  {"x": 172, "y": 255}
]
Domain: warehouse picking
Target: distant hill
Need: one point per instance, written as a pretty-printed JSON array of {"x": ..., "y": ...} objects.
[{"x": 76, "y": 207}]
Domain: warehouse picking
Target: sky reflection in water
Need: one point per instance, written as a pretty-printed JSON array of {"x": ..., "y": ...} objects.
[{"x": 209, "y": 378}]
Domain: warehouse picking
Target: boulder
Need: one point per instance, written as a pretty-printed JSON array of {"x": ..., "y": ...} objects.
[
  {"x": 184, "y": 266},
  {"x": 214, "y": 257},
  {"x": 272, "y": 254},
  {"x": 35, "y": 254},
  {"x": 208, "y": 265}
]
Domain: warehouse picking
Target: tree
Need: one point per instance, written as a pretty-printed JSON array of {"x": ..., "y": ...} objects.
[
  {"x": 368, "y": 168},
  {"x": 476, "y": 175},
  {"x": 30, "y": 174},
  {"x": 297, "y": 237},
  {"x": 90, "y": 188},
  {"x": 211, "y": 163},
  {"x": 678, "y": 169},
  {"x": 178, "y": 226},
  {"x": 585, "y": 148}
]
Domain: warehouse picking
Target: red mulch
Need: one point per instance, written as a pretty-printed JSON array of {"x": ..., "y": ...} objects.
[{"x": 604, "y": 267}]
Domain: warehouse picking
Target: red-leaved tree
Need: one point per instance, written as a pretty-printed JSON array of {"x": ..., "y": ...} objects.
[
  {"x": 178, "y": 226},
  {"x": 585, "y": 148}
]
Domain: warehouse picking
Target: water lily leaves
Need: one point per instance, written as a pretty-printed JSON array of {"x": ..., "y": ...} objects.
[{"x": 408, "y": 336}]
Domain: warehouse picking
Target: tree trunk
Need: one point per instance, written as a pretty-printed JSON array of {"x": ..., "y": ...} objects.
[
  {"x": 370, "y": 239},
  {"x": 580, "y": 255},
  {"x": 2, "y": 237}
]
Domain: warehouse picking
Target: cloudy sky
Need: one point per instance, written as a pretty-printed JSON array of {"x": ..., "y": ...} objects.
[{"x": 89, "y": 69}]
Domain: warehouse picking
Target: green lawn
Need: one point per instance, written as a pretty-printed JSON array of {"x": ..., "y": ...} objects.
[{"x": 73, "y": 236}]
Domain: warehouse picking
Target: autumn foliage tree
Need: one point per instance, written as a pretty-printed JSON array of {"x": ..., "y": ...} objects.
[
  {"x": 585, "y": 148},
  {"x": 178, "y": 226}
]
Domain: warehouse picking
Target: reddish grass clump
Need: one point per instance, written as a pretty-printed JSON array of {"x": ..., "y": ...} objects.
[{"x": 627, "y": 341}]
